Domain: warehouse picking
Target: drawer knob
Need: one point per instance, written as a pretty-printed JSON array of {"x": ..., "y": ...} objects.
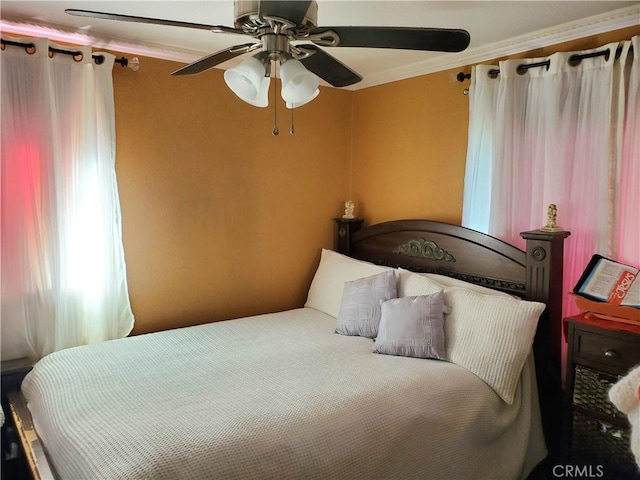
[{"x": 611, "y": 353}]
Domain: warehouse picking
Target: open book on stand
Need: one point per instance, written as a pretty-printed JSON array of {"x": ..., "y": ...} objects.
[{"x": 605, "y": 280}]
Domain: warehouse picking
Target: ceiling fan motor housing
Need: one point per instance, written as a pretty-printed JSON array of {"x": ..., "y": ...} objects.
[{"x": 251, "y": 16}]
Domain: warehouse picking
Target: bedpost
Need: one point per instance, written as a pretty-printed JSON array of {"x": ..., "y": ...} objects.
[
  {"x": 545, "y": 251},
  {"x": 346, "y": 227}
]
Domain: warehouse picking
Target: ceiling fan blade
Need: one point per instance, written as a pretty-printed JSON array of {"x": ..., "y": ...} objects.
[
  {"x": 291, "y": 10},
  {"x": 403, "y": 38},
  {"x": 152, "y": 21},
  {"x": 328, "y": 67},
  {"x": 210, "y": 61}
]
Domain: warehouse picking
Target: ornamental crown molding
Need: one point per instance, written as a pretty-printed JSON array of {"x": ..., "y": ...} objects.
[
  {"x": 586, "y": 27},
  {"x": 609, "y": 21}
]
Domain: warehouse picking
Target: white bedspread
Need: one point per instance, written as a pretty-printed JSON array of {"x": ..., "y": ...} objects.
[{"x": 275, "y": 396}]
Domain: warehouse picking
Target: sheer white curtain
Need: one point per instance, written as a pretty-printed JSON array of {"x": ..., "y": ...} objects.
[
  {"x": 476, "y": 206},
  {"x": 628, "y": 200},
  {"x": 568, "y": 135},
  {"x": 63, "y": 279}
]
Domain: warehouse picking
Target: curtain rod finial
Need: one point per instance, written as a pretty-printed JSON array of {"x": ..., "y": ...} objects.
[{"x": 134, "y": 64}]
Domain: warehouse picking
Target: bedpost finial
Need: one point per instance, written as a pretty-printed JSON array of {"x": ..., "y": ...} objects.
[
  {"x": 348, "y": 209},
  {"x": 552, "y": 215}
]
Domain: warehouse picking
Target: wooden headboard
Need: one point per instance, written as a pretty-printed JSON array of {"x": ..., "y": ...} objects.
[{"x": 446, "y": 249}]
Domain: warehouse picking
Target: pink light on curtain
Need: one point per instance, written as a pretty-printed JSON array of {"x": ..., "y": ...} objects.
[
  {"x": 21, "y": 198},
  {"x": 629, "y": 198},
  {"x": 25, "y": 191}
]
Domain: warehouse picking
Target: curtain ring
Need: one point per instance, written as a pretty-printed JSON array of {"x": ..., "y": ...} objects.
[
  {"x": 575, "y": 60},
  {"x": 77, "y": 55},
  {"x": 30, "y": 48}
]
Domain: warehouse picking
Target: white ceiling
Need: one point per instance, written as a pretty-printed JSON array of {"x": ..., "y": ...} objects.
[{"x": 497, "y": 29}]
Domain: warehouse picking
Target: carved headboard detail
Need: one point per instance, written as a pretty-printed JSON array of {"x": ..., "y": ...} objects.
[{"x": 424, "y": 249}]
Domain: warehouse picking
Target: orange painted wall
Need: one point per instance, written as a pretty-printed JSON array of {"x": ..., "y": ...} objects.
[
  {"x": 220, "y": 218},
  {"x": 409, "y": 149},
  {"x": 410, "y": 141}
]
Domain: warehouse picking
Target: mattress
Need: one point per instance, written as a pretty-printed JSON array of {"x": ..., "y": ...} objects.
[{"x": 277, "y": 396}]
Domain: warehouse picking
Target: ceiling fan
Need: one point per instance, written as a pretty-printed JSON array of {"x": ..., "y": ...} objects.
[{"x": 286, "y": 32}]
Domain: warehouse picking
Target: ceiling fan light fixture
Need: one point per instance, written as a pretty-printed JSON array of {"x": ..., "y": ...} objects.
[
  {"x": 299, "y": 85},
  {"x": 262, "y": 99},
  {"x": 299, "y": 104},
  {"x": 248, "y": 82}
]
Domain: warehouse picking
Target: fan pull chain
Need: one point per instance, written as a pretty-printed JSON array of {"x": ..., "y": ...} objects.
[
  {"x": 291, "y": 131},
  {"x": 275, "y": 106}
]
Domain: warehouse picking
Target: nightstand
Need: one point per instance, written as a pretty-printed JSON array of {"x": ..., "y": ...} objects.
[{"x": 599, "y": 353}]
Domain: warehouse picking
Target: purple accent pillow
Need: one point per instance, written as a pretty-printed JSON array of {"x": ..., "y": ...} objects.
[
  {"x": 412, "y": 327},
  {"x": 360, "y": 306}
]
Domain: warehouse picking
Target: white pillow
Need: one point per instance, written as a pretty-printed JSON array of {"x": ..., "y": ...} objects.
[
  {"x": 491, "y": 336},
  {"x": 455, "y": 282},
  {"x": 325, "y": 293},
  {"x": 412, "y": 282},
  {"x": 488, "y": 334}
]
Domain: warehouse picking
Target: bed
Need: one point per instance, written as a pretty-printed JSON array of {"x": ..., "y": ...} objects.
[{"x": 312, "y": 392}]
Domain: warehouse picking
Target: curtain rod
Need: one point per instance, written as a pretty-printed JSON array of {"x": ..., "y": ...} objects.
[
  {"x": 574, "y": 60},
  {"x": 30, "y": 48}
]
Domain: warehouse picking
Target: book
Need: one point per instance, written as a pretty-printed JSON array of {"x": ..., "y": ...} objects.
[{"x": 606, "y": 280}]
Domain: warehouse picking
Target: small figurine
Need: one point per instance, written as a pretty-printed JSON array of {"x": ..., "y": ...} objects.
[
  {"x": 552, "y": 215},
  {"x": 348, "y": 209}
]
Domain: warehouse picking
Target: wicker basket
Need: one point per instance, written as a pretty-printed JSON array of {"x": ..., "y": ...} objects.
[
  {"x": 603, "y": 441},
  {"x": 591, "y": 391}
]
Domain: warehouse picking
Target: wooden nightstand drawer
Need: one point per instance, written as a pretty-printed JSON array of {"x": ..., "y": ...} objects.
[{"x": 616, "y": 352}]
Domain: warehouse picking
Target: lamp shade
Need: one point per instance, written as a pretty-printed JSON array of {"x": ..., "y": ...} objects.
[
  {"x": 299, "y": 85},
  {"x": 249, "y": 83},
  {"x": 299, "y": 104},
  {"x": 263, "y": 94}
]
